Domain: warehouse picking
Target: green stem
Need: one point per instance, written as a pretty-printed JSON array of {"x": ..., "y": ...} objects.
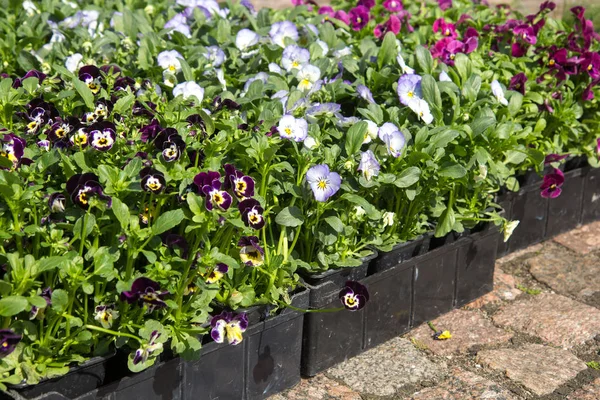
[{"x": 114, "y": 333}]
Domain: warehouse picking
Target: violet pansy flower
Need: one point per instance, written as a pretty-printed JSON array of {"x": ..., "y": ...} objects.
[
  {"x": 354, "y": 296},
  {"x": 230, "y": 327},
  {"x": 551, "y": 186},
  {"x": 369, "y": 166},
  {"x": 145, "y": 291},
  {"x": 323, "y": 182},
  {"x": 295, "y": 129},
  {"x": 552, "y": 158},
  {"x": 252, "y": 213},
  {"x": 12, "y": 147},
  {"x": 517, "y": 83},
  {"x": 409, "y": 88},
  {"x": 216, "y": 273},
  {"x": 215, "y": 197},
  {"x": 102, "y": 135},
  {"x": 251, "y": 253},
  {"x": 141, "y": 355},
  {"x": 393, "y": 5},
  {"x": 365, "y": 93}
]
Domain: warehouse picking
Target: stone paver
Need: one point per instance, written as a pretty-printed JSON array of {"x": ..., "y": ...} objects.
[
  {"x": 588, "y": 392},
  {"x": 505, "y": 288},
  {"x": 582, "y": 240},
  {"x": 383, "y": 370},
  {"x": 465, "y": 385},
  {"x": 318, "y": 388},
  {"x": 541, "y": 369},
  {"x": 468, "y": 329},
  {"x": 553, "y": 318},
  {"x": 567, "y": 273}
]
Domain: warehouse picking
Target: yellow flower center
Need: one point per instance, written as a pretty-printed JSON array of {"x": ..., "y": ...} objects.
[
  {"x": 60, "y": 133},
  {"x": 295, "y": 64},
  {"x": 359, "y": 20},
  {"x": 589, "y": 68},
  {"x": 322, "y": 184},
  {"x": 551, "y": 62},
  {"x": 172, "y": 68},
  {"x": 411, "y": 94},
  {"x": 288, "y": 131}
]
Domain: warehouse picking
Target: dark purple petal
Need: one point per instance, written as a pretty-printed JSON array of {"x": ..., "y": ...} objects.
[{"x": 8, "y": 342}]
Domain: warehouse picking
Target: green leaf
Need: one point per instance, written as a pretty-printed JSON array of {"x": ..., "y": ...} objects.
[
  {"x": 515, "y": 102},
  {"x": 12, "y": 305},
  {"x": 463, "y": 66},
  {"x": 472, "y": 87},
  {"x": 124, "y": 104},
  {"x": 446, "y": 223},
  {"x": 290, "y": 216},
  {"x": 90, "y": 221},
  {"x": 37, "y": 301},
  {"x": 441, "y": 139},
  {"x": 424, "y": 59},
  {"x": 60, "y": 299},
  {"x": 455, "y": 171},
  {"x": 335, "y": 223},
  {"x": 431, "y": 92},
  {"x": 167, "y": 221},
  {"x": 187, "y": 71},
  {"x": 481, "y": 124},
  {"x": 208, "y": 122},
  {"x": 85, "y": 93},
  {"x": 355, "y": 137},
  {"x": 48, "y": 263},
  {"x": 408, "y": 177},
  {"x": 388, "y": 51},
  {"x": 371, "y": 211},
  {"x": 121, "y": 212}
]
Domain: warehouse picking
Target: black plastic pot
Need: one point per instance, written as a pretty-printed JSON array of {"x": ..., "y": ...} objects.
[
  {"x": 266, "y": 362},
  {"x": 79, "y": 380},
  {"x": 400, "y": 253},
  {"x": 531, "y": 210},
  {"x": 331, "y": 337},
  {"x": 591, "y": 196},
  {"x": 564, "y": 212},
  {"x": 504, "y": 200}
]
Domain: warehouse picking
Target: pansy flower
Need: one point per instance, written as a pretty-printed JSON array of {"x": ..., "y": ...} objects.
[
  {"x": 143, "y": 353},
  {"x": 179, "y": 24},
  {"x": 210, "y": 186},
  {"x": 80, "y": 138},
  {"x": 169, "y": 61},
  {"x": 307, "y": 76},
  {"x": 57, "y": 202},
  {"x": 369, "y": 166},
  {"x": 30, "y": 74},
  {"x": 409, "y": 88},
  {"x": 323, "y": 182},
  {"x": 498, "y": 92},
  {"x": 188, "y": 90},
  {"x": 517, "y": 83},
  {"x": 91, "y": 76},
  {"x": 245, "y": 39},
  {"x": 354, "y": 296},
  {"x": 124, "y": 82},
  {"x": 294, "y": 57},
  {"x": 447, "y": 29},
  {"x": 62, "y": 128},
  {"x": 102, "y": 135},
  {"x": 359, "y": 17},
  {"x": 172, "y": 240},
  {"x": 81, "y": 187},
  {"x": 371, "y": 132},
  {"x": 365, "y": 93},
  {"x": 403, "y": 67},
  {"x": 526, "y": 33},
  {"x": 393, "y": 5},
  {"x": 215, "y": 56},
  {"x": 590, "y": 63},
  {"x": 8, "y": 342},
  {"x": 38, "y": 117},
  {"x": 445, "y": 4},
  {"x": 12, "y": 147},
  {"x": 171, "y": 144},
  {"x": 145, "y": 291},
  {"x": 251, "y": 253},
  {"x": 106, "y": 315},
  {"x": 552, "y": 158},
  {"x": 150, "y": 131},
  {"x": 281, "y": 30},
  {"x": 243, "y": 185},
  {"x": 152, "y": 180},
  {"x": 421, "y": 108},
  {"x": 393, "y": 24},
  {"x": 292, "y": 128},
  {"x": 206, "y": 178},
  {"x": 551, "y": 186},
  {"x": 226, "y": 325},
  {"x": 251, "y": 213},
  {"x": 216, "y": 273}
]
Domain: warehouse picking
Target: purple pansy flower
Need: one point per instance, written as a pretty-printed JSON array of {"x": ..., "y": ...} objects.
[
  {"x": 171, "y": 144},
  {"x": 215, "y": 197},
  {"x": 62, "y": 128},
  {"x": 91, "y": 76},
  {"x": 525, "y": 33},
  {"x": 141, "y": 355},
  {"x": 590, "y": 63},
  {"x": 12, "y": 147},
  {"x": 152, "y": 180},
  {"x": 251, "y": 213},
  {"x": 445, "y": 4},
  {"x": 551, "y": 186},
  {"x": 81, "y": 187},
  {"x": 409, "y": 88},
  {"x": 102, "y": 135},
  {"x": 393, "y": 5},
  {"x": 354, "y": 296},
  {"x": 57, "y": 202},
  {"x": 145, "y": 291},
  {"x": 551, "y": 158},
  {"x": 517, "y": 83},
  {"x": 365, "y": 93},
  {"x": 8, "y": 342},
  {"x": 226, "y": 325},
  {"x": 243, "y": 185},
  {"x": 359, "y": 17},
  {"x": 216, "y": 273},
  {"x": 251, "y": 253},
  {"x": 150, "y": 131},
  {"x": 323, "y": 182},
  {"x": 39, "y": 312}
]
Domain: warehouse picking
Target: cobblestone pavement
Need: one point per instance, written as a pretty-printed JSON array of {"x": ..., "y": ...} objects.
[{"x": 536, "y": 336}]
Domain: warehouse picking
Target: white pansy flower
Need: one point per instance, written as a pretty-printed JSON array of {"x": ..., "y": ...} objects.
[
  {"x": 444, "y": 77},
  {"x": 310, "y": 142},
  {"x": 499, "y": 92},
  {"x": 359, "y": 212},
  {"x": 482, "y": 173},
  {"x": 189, "y": 89},
  {"x": 371, "y": 133},
  {"x": 346, "y": 51},
  {"x": 30, "y": 8},
  {"x": 388, "y": 219},
  {"x": 308, "y": 76},
  {"x": 73, "y": 62},
  {"x": 274, "y": 68},
  {"x": 292, "y": 128},
  {"x": 323, "y": 47},
  {"x": 421, "y": 108},
  {"x": 169, "y": 61},
  {"x": 246, "y": 39},
  {"x": 221, "y": 77},
  {"x": 403, "y": 67}
]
